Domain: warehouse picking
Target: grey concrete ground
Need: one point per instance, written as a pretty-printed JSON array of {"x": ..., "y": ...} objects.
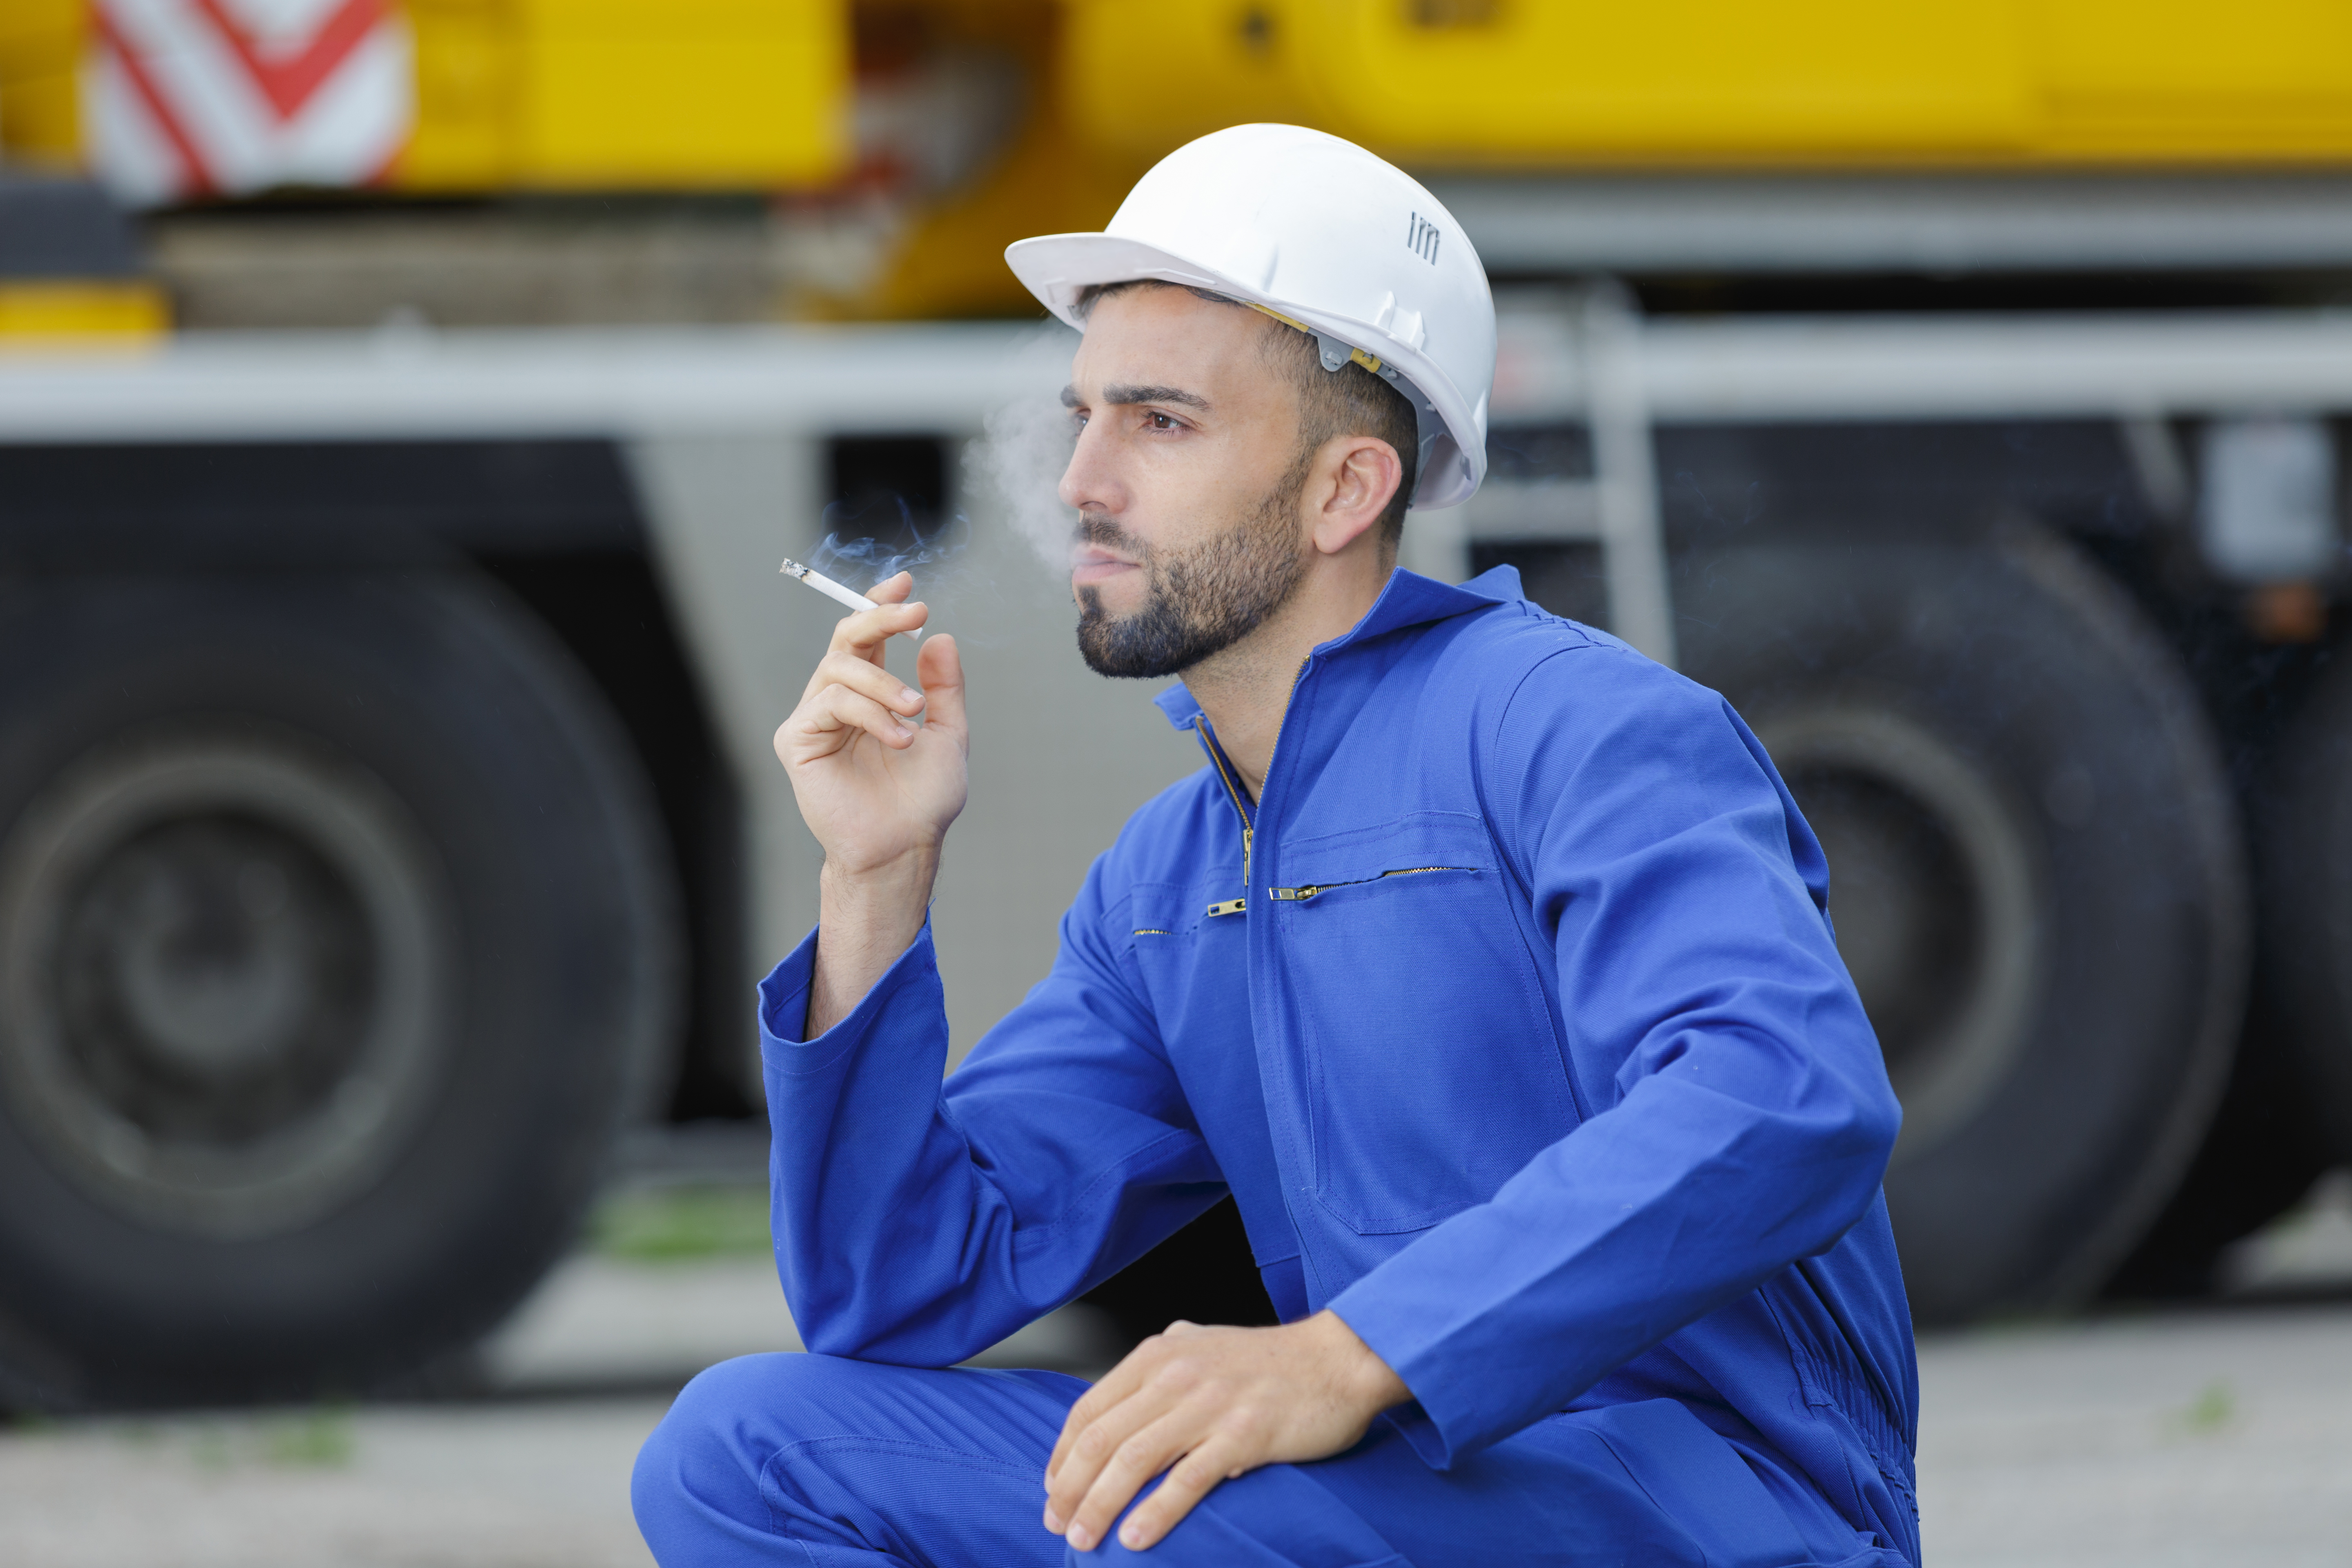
[
  {"x": 537, "y": 1474},
  {"x": 534, "y": 1485},
  {"x": 2203, "y": 1439}
]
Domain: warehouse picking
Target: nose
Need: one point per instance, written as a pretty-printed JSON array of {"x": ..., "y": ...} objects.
[{"x": 1091, "y": 482}]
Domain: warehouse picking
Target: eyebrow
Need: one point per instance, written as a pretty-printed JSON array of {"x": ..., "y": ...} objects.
[{"x": 1124, "y": 396}]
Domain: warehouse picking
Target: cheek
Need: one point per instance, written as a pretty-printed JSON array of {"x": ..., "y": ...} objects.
[{"x": 1184, "y": 494}]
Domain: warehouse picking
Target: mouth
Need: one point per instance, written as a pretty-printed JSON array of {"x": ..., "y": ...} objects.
[{"x": 1091, "y": 564}]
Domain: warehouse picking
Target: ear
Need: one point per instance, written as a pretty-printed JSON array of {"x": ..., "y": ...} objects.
[{"x": 1355, "y": 477}]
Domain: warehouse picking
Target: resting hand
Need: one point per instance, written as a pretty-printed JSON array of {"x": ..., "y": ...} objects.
[{"x": 1207, "y": 1404}]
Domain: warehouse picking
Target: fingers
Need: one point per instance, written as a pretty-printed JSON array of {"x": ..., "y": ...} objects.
[
  {"x": 1107, "y": 1465},
  {"x": 1204, "y": 1404},
  {"x": 895, "y": 589},
  {"x": 1080, "y": 1472},
  {"x": 1079, "y": 1451},
  {"x": 1122, "y": 1432},
  {"x": 1116, "y": 1385},
  {"x": 1220, "y": 1457},
  {"x": 862, "y": 633},
  {"x": 1198, "y": 1444},
  {"x": 940, "y": 668},
  {"x": 831, "y": 719},
  {"x": 868, "y": 680}
]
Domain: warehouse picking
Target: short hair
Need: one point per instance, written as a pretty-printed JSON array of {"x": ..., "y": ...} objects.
[{"x": 1349, "y": 401}]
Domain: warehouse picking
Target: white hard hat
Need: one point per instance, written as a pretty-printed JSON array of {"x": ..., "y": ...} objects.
[{"x": 1320, "y": 233}]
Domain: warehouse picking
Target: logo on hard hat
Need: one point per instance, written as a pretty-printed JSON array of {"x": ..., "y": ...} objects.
[{"x": 1421, "y": 238}]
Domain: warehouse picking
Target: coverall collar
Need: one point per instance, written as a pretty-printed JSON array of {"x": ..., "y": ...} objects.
[{"x": 1409, "y": 600}]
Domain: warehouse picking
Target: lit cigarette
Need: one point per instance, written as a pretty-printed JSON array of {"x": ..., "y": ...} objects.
[{"x": 837, "y": 594}]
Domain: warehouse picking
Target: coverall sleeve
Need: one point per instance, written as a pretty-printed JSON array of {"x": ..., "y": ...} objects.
[
  {"x": 918, "y": 1222},
  {"x": 1736, "y": 1115}
]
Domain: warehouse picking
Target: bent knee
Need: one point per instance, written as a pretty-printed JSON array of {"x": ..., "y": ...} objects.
[
  {"x": 1267, "y": 1517},
  {"x": 735, "y": 1416},
  {"x": 700, "y": 1467}
]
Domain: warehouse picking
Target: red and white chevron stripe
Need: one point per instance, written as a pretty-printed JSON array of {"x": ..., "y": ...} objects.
[{"x": 190, "y": 97}]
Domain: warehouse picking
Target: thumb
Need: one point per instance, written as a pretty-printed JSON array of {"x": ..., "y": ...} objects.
[{"x": 939, "y": 670}]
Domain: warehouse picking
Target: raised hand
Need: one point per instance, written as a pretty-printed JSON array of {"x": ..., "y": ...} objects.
[{"x": 877, "y": 788}]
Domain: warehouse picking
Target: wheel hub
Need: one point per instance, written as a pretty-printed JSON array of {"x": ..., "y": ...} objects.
[
  {"x": 226, "y": 980},
  {"x": 1937, "y": 893}
]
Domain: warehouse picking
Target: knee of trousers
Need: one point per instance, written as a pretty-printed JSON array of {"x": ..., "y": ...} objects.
[
  {"x": 1270, "y": 1518},
  {"x": 699, "y": 1473}
]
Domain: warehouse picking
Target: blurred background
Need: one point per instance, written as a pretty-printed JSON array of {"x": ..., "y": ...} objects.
[{"x": 404, "y": 404}]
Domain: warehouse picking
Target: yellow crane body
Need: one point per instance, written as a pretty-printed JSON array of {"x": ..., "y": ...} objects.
[
  {"x": 683, "y": 94},
  {"x": 1575, "y": 83}
]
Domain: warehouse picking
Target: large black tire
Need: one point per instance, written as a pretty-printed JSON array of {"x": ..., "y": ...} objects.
[
  {"x": 2303, "y": 836},
  {"x": 2036, "y": 873},
  {"x": 337, "y": 934}
]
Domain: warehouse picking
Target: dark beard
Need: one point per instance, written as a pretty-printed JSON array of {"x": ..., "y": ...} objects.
[{"x": 1199, "y": 603}]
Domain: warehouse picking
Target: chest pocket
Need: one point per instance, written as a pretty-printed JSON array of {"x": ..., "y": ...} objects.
[{"x": 1433, "y": 1071}]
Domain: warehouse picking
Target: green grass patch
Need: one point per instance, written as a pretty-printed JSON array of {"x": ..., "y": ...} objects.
[
  {"x": 320, "y": 1439},
  {"x": 681, "y": 1225},
  {"x": 2212, "y": 1411}
]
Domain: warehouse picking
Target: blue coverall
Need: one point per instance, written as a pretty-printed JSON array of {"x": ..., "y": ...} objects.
[{"x": 1511, "y": 1016}]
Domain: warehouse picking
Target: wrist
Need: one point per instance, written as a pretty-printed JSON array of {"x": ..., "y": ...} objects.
[
  {"x": 893, "y": 883},
  {"x": 1368, "y": 1383},
  {"x": 868, "y": 916},
  {"x": 867, "y": 919}
]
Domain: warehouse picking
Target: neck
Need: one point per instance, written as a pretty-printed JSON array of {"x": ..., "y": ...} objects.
[{"x": 1246, "y": 688}]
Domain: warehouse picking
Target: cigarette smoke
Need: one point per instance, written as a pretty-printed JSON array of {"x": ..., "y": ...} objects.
[
  {"x": 975, "y": 567},
  {"x": 856, "y": 552},
  {"x": 1020, "y": 460}
]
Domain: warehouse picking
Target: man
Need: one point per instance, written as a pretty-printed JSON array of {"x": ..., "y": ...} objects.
[{"x": 1486, "y": 964}]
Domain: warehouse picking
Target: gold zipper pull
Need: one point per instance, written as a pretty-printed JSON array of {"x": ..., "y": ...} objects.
[
  {"x": 1300, "y": 895},
  {"x": 1229, "y": 907}
]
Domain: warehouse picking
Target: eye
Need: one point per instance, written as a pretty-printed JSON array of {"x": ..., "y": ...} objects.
[{"x": 1165, "y": 421}]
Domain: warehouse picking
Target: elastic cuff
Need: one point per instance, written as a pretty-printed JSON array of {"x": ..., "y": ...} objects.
[
  {"x": 1421, "y": 1434},
  {"x": 783, "y": 994},
  {"x": 783, "y": 1004},
  {"x": 1361, "y": 1311}
]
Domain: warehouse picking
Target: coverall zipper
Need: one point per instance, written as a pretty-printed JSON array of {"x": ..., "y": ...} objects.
[
  {"x": 1233, "y": 792},
  {"x": 1225, "y": 772},
  {"x": 1217, "y": 760}
]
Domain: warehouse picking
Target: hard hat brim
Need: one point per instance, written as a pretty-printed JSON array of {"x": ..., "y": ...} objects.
[{"x": 1059, "y": 267}]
